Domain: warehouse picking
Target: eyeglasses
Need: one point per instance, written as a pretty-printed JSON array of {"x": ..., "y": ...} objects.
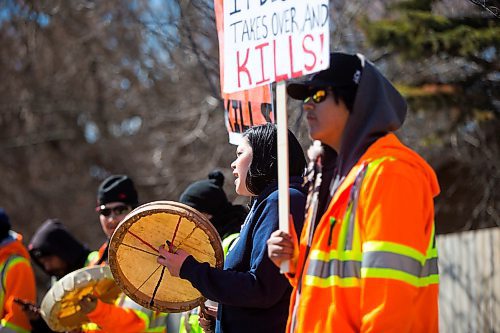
[
  {"x": 118, "y": 210},
  {"x": 317, "y": 96}
]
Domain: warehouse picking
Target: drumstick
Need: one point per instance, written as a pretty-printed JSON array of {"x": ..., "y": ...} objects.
[
  {"x": 170, "y": 247},
  {"x": 26, "y": 305},
  {"x": 21, "y": 302}
]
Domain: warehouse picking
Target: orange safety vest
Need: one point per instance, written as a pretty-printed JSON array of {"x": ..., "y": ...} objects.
[
  {"x": 372, "y": 261},
  {"x": 17, "y": 281}
]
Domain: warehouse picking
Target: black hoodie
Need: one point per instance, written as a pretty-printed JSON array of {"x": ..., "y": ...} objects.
[
  {"x": 52, "y": 238},
  {"x": 378, "y": 109}
]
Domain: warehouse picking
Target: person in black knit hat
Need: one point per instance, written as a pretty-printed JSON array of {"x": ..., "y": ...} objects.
[
  {"x": 208, "y": 197},
  {"x": 116, "y": 197},
  {"x": 117, "y": 188}
]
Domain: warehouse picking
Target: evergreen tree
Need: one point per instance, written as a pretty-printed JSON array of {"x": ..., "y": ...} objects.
[{"x": 449, "y": 52}]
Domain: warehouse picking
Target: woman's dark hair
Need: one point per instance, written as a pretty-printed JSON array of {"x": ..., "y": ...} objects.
[{"x": 264, "y": 167}]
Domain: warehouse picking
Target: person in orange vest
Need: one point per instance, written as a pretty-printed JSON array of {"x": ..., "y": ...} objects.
[
  {"x": 366, "y": 260},
  {"x": 116, "y": 197},
  {"x": 17, "y": 278}
]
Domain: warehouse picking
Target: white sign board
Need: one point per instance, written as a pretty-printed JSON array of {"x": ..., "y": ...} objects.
[{"x": 273, "y": 40}]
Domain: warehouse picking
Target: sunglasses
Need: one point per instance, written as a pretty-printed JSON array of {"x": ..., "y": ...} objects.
[
  {"x": 317, "y": 96},
  {"x": 118, "y": 210}
]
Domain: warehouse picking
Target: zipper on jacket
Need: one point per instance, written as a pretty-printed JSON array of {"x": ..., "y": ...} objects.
[{"x": 332, "y": 224}]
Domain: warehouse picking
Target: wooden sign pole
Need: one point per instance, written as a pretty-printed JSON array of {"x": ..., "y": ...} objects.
[{"x": 283, "y": 179}]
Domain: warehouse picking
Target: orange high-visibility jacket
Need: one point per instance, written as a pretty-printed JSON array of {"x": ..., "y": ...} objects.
[
  {"x": 372, "y": 264},
  {"x": 18, "y": 281},
  {"x": 125, "y": 316}
]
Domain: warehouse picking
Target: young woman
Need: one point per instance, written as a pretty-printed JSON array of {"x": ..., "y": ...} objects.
[{"x": 252, "y": 294}]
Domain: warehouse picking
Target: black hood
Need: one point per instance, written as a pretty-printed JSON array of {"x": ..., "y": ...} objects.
[
  {"x": 52, "y": 238},
  {"x": 378, "y": 109}
]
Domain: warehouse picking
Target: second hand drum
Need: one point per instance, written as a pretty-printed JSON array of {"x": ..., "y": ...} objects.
[
  {"x": 60, "y": 307},
  {"x": 133, "y": 251}
]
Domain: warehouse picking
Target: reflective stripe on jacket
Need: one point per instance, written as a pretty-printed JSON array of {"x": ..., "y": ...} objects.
[
  {"x": 228, "y": 242},
  {"x": 17, "y": 281},
  {"x": 372, "y": 264}
]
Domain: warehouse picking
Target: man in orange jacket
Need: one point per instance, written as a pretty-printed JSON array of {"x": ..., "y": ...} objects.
[
  {"x": 366, "y": 260},
  {"x": 16, "y": 277}
]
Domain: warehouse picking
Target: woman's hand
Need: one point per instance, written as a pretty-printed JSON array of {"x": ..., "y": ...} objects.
[
  {"x": 280, "y": 247},
  {"x": 173, "y": 261}
]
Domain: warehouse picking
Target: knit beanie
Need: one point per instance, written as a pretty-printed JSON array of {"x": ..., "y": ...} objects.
[
  {"x": 207, "y": 196},
  {"x": 117, "y": 188},
  {"x": 4, "y": 224}
]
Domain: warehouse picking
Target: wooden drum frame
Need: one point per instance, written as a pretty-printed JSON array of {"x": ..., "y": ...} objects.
[{"x": 133, "y": 251}]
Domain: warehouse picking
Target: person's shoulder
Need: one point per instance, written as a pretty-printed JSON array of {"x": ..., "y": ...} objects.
[
  {"x": 398, "y": 166},
  {"x": 297, "y": 196},
  {"x": 297, "y": 192},
  {"x": 389, "y": 156},
  {"x": 272, "y": 197},
  {"x": 401, "y": 172}
]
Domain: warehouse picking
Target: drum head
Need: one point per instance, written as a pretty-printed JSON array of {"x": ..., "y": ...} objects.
[
  {"x": 133, "y": 253},
  {"x": 60, "y": 307}
]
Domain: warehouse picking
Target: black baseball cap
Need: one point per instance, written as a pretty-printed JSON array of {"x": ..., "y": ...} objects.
[{"x": 344, "y": 72}]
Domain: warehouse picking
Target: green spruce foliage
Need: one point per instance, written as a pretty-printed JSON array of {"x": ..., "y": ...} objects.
[
  {"x": 445, "y": 62},
  {"x": 418, "y": 32}
]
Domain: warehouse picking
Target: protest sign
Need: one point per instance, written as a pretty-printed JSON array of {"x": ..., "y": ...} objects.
[
  {"x": 269, "y": 41},
  {"x": 266, "y": 41},
  {"x": 242, "y": 109}
]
